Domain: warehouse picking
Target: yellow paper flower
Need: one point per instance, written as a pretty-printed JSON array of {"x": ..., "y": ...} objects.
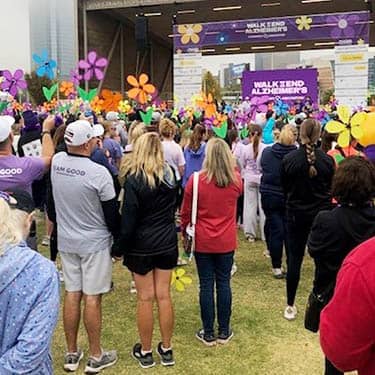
[
  {"x": 304, "y": 22},
  {"x": 97, "y": 104},
  {"x": 190, "y": 33},
  {"x": 347, "y": 126},
  {"x": 124, "y": 106},
  {"x": 360, "y": 42},
  {"x": 180, "y": 280}
]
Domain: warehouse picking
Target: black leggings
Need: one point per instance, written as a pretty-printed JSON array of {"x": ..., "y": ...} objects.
[
  {"x": 298, "y": 230},
  {"x": 330, "y": 369},
  {"x": 53, "y": 243}
]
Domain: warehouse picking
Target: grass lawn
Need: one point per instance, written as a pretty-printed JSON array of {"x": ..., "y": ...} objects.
[{"x": 264, "y": 343}]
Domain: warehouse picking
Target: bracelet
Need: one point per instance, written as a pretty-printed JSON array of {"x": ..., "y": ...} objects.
[{"x": 45, "y": 132}]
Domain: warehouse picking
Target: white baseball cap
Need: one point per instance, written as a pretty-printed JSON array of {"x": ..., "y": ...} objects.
[
  {"x": 78, "y": 133},
  {"x": 6, "y": 123},
  {"x": 98, "y": 130},
  {"x": 112, "y": 116}
]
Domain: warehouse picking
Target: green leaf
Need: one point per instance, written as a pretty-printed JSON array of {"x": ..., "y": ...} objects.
[
  {"x": 147, "y": 117},
  {"x": 222, "y": 131},
  {"x": 244, "y": 133},
  {"x": 49, "y": 92},
  {"x": 197, "y": 114},
  {"x": 92, "y": 94},
  {"x": 83, "y": 94},
  {"x": 3, "y": 105}
]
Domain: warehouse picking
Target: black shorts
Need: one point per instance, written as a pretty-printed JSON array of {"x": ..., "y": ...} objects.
[{"x": 142, "y": 265}]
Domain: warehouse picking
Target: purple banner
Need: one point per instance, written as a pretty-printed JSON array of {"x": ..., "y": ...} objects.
[
  {"x": 352, "y": 28},
  {"x": 288, "y": 84}
]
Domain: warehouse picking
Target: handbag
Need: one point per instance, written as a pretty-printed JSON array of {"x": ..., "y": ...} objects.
[
  {"x": 189, "y": 239},
  {"x": 315, "y": 305}
]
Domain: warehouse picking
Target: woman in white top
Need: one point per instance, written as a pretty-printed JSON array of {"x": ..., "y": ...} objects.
[{"x": 251, "y": 172}]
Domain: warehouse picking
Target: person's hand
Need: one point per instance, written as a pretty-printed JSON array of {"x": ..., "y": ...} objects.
[{"x": 49, "y": 123}]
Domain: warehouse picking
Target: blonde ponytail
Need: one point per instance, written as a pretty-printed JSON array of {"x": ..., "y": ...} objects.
[
  {"x": 311, "y": 158},
  {"x": 12, "y": 223}
]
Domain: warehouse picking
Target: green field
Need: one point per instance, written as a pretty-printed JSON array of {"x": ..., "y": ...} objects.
[{"x": 264, "y": 343}]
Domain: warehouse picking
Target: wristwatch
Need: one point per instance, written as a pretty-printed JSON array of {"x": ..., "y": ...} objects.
[{"x": 45, "y": 132}]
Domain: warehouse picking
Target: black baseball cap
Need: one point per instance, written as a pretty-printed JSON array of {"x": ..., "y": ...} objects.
[{"x": 19, "y": 199}]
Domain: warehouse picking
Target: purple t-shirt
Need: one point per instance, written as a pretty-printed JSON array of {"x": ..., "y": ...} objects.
[{"x": 20, "y": 173}]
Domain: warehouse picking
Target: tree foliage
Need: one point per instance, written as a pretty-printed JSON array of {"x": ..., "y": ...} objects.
[
  {"x": 210, "y": 85},
  {"x": 35, "y": 87}
]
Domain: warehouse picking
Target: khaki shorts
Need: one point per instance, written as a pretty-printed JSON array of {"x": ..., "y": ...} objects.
[{"x": 90, "y": 273}]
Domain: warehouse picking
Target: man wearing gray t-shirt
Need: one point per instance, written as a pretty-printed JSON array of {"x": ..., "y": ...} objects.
[{"x": 87, "y": 218}]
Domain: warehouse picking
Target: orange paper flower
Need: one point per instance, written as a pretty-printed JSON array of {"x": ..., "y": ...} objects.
[
  {"x": 17, "y": 106},
  {"x": 111, "y": 100},
  {"x": 50, "y": 106},
  {"x": 67, "y": 88},
  {"x": 207, "y": 104},
  {"x": 141, "y": 89},
  {"x": 97, "y": 104}
]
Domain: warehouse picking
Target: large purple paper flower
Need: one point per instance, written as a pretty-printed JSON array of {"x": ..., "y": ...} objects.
[
  {"x": 344, "y": 25},
  {"x": 93, "y": 66},
  {"x": 258, "y": 104},
  {"x": 13, "y": 83},
  {"x": 75, "y": 77}
]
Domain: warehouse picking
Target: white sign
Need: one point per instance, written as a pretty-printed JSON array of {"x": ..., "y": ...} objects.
[
  {"x": 351, "y": 75},
  {"x": 187, "y": 75}
]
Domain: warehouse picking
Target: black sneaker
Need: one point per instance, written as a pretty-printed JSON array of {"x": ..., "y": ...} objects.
[
  {"x": 224, "y": 338},
  {"x": 145, "y": 361},
  {"x": 208, "y": 340},
  {"x": 166, "y": 357}
]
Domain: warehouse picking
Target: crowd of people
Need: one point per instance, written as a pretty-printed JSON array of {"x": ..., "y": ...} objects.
[{"x": 123, "y": 191}]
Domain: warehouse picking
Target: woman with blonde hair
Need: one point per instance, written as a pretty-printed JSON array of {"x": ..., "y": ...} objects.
[
  {"x": 306, "y": 177},
  {"x": 148, "y": 243},
  {"x": 215, "y": 237},
  {"x": 29, "y": 303},
  {"x": 272, "y": 196}
]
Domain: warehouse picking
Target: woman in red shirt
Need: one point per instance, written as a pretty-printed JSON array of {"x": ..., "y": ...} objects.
[{"x": 219, "y": 187}]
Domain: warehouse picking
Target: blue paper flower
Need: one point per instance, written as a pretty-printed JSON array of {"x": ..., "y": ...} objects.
[
  {"x": 45, "y": 66},
  {"x": 281, "y": 108}
]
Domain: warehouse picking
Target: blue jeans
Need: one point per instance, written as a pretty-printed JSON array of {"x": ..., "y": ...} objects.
[
  {"x": 275, "y": 226},
  {"x": 215, "y": 268}
]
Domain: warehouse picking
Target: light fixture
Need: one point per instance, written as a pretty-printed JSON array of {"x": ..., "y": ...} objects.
[
  {"x": 207, "y": 50},
  {"x": 155, "y": 14},
  {"x": 263, "y": 47},
  {"x": 324, "y": 44},
  {"x": 187, "y": 11},
  {"x": 219, "y": 9},
  {"x": 270, "y": 4},
  {"x": 314, "y": 1},
  {"x": 295, "y": 45},
  {"x": 233, "y": 49},
  {"x": 172, "y": 35}
]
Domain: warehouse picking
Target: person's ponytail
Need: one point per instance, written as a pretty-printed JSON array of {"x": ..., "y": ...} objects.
[
  {"x": 311, "y": 158},
  {"x": 255, "y": 132}
]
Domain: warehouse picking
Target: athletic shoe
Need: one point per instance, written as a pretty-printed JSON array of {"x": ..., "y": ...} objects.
[
  {"x": 94, "y": 366},
  {"x": 224, "y": 338},
  {"x": 233, "y": 270},
  {"x": 72, "y": 360},
  {"x": 278, "y": 273},
  {"x": 46, "y": 241},
  {"x": 290, "y": 313},
  {"x": 166, "y": 357},
  {"x": 133, "y": 289},
  {"x": 144, "y": 360},
  {"x": 208, "y": 340},
  {"x": 250, "y": 238},
  {"x": 61, "y": 276}
]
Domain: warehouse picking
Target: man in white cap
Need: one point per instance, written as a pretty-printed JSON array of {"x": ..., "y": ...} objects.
[
  {"x": 87, "y": 217},
  {"x": 17, "y": 172}
]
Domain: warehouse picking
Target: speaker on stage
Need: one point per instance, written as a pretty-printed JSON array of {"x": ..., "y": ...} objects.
[{"x": 141, "y": 33}]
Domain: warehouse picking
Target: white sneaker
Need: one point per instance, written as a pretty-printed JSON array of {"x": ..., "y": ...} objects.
[
  {"x": 46, "y": 241},
  {"x": 290, "y": 313},
  {"x": 234, "y": 269},
  {"x": 133, "y": 289},
  {"x": 182, "y": 262},
  {"x": 250, "y": 238},
  {"x": 61, "y": 276},
  {"x": 277, "y": 273},
  {"x": 267, "y": 254}
]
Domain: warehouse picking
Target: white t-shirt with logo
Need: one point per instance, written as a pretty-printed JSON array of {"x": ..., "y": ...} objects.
[
  {"x": 79, "y": 186},
  {"x": 174, "y": 156}
]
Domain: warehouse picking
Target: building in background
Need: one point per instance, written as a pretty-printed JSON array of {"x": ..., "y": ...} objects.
[
  {"x": 276, "y": 60},
  {"x": 371, "y": 75},
  {"x": 33, "y": 25}
]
